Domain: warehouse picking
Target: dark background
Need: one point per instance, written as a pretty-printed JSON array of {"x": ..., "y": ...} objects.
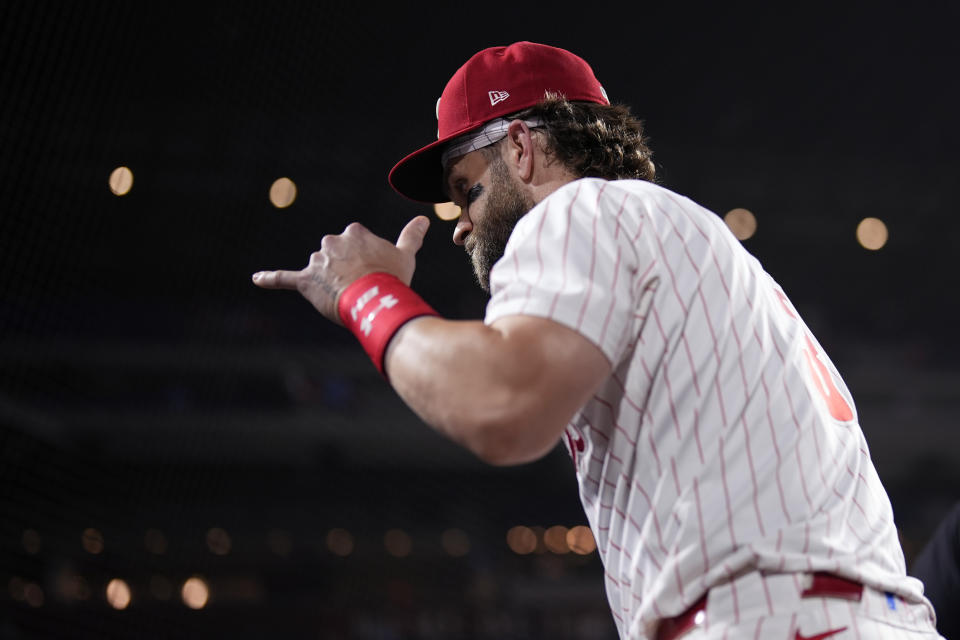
[{"x": 146, "y": 384}]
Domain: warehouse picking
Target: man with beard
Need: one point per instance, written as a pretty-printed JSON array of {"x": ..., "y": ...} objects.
[{"x": 717, "y": 450}]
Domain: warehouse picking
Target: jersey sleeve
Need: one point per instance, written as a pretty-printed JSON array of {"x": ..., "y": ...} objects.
[{"x": 575, "y": 259}]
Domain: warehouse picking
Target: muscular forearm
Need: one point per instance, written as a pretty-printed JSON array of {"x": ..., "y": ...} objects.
[{"x": 492, "y": 389}]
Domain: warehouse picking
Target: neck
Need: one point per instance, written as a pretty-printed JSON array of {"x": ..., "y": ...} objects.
[{"x": 542, "y": 185}]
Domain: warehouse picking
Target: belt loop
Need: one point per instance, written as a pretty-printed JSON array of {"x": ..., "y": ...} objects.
[{"x": 828, "y": 585}]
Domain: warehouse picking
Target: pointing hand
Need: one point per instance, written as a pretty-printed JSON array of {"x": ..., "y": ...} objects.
[{"x": 344, "y": 258}]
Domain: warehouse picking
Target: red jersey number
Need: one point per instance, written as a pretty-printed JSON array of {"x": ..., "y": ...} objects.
[{"x": 822, "y": 380}]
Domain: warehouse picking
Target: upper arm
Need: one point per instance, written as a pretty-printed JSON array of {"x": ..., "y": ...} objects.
[
  {"x": 556, "y": 372},
  {"x": 553, "y": 355},
  {"x": 505, "y": 391}
]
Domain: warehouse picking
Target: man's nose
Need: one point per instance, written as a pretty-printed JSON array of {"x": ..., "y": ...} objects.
[{"x": 463, "y": 229}]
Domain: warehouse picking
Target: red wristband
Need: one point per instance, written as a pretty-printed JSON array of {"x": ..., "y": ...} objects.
[{"x": 374, "y": 307}]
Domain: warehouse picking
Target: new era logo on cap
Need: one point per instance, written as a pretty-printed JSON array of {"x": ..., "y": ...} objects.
[{"x": 497, "y": 96}]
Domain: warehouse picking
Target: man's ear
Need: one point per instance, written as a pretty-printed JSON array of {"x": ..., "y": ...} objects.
[{"x": 521, "y": 149}]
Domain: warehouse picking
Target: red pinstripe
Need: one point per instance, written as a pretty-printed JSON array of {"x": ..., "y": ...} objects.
[
  {"x": 773, "y": 431},
  {"x": 516, "y": 269},
  {"x": 797, "y": 584},
  {"x": 656, "y": 527},
  {"x": 616, "y": 270},
  {"x": 613, "y": 286},
  {"x": 723, "y": 283},
  {"x": 853, "y": 620},
  {"x": 743, "y": 371},
  {"x": 852, "y": 529},
  {"x": 643, "y": 494},
  {"x": 716, "y": 353},
  {"x": 642, "y": 278},
  {"x": 629, "y": 557},
  {"x": 780, "y": 355},
  {"x": 593, "y": 262},
  {"x": 776, "y": 450},
  {"x": 766, "y": 594},
  {"x": 613, "y": 419},
  {"x": 597, "y": 432},
  {"x": 816, "y": 443},
  {"x": 733, "y": 594},
  {"x": 613, "y": 456},
  {"x": 701, "y": 528},
  {"x": 626, "y": 394},
  {"x": 676, "y": 480},
  {"x": 673, "y": 278},
  {"x": 666, "y": 381},
  {"x": 643, "y": 219},
  {"x": 871, "y": 524},
  {"x": 753, "y": 475},
  {"x": 539, "y": 254},
  {"x": 566, "y": 246},
  {"x": 678, "y": 578},
  {"x": 653, "y": 447},
  {"x": 693, "y": 368},
  {"x": 726, "y": 494},
  {"x": 696, "y": 435}
]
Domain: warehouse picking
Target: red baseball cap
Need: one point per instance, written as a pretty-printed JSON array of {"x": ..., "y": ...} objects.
[{"x": 492, "y": 83}]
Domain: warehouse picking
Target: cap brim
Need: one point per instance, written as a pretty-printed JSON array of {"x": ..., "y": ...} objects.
[{"x": 419, "y": 176}]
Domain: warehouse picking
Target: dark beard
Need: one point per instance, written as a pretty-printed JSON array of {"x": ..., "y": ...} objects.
[{"x": 506, "y": 204}]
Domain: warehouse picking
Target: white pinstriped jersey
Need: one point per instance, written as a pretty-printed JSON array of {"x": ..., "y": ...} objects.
[{"x": 724, "y": 438}]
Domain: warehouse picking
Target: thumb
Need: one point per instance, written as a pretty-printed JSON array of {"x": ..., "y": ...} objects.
[{"x": 411, "y": 238}]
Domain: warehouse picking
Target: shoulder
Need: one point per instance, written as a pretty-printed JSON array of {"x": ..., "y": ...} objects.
[
  {"x": 588, "y": 203},
  {"x": 607, "y": 202},
  {"x": 596, "y": 204},
  {"x": 593, "y": 186},
  {"x": 597, "y": 194}
]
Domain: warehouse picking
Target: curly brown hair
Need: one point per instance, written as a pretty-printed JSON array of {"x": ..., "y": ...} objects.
[{"x": 593, "y": 140}]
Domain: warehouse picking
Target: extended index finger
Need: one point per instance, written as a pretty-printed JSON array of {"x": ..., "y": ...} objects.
[{"x": 276, "y": 279}]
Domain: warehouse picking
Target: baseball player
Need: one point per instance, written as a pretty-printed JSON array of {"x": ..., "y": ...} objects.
[{"x": 719, "y": 458}]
